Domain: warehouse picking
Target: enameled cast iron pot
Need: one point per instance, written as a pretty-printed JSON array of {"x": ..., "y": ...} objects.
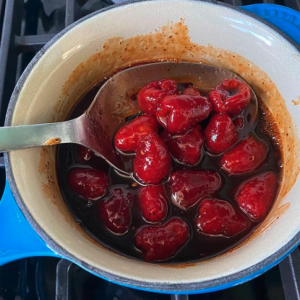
[{"x": 110, "y": 39}]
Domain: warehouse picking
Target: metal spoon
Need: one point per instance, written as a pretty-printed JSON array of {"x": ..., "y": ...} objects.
[{"x": 95, "y": 129}]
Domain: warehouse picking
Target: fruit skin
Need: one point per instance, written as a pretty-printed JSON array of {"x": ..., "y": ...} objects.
[
  {"x": 191, "y": 91},
  {"x": 239, "y": 122},
  {"x": 88, "y": 183},
  {"x": 218, "y": 217},
  {"x": 185, "y": 148},
  {"x": 255, "y": 195},
  {"x": 152, "y": 163},
  {"x": 244, "y": 157},
  {"x": 114, "y": 211},
  {"x": 187, "y": 187},
  {"x": 150, "y": 95},
  {"x": 153, "y": 203},
  {"x": 220, "y": 134},
  {"x": 128, "y": 136},
  {"x": 179, "y": 113},
  {"x": 161, "y": 242},
  {"x": 232, "y": 96}
]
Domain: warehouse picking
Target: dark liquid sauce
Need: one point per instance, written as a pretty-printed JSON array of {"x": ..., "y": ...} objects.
[{"x": 199, "y": 246}]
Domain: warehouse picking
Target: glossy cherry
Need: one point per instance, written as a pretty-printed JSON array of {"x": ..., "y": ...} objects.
[
  {"x": 153, "y": 203},
  {"x": 185, "y": 148},
  {"x": 128, "y": 136},
  {"x": 88, "y": 183},
  {"x": 232, "y": 96},
  {"x": 150, "y": 95},
  {"x": 255, "y": 195},
  {"x": 191, "y": 91},
  {"x": 220, "y": 134},
  {"x": 161, "y": 242},
  {"x": 239, "y": 122},
  {"x": 179, "y": 113},
  {"x": 244, "y": 157},
  {"x": 152, "y": 163},
  {"x": 187, "y": 187},
  {"x": 114, "y": 211},
  {"x": 218, "y": 217}
]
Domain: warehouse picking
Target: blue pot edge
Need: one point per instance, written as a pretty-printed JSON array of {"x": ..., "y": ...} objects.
[
  {"x": 203, "y": 291},
  {"x": 286, "y": 19}
]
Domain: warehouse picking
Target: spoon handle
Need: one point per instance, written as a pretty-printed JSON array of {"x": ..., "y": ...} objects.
[{"x": 28, "y": 136}]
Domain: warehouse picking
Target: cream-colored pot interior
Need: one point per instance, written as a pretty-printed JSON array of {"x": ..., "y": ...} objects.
[{"x": 154, "y": 30}]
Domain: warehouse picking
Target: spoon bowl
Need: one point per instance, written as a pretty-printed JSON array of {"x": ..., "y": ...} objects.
[{"x": 110, "y": 108}]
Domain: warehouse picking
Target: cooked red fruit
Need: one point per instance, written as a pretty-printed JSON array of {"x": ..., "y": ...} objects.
[
  {"x": 218, "y": 217},
  {"x": 220, "y": 134},
  {"x": 128, "y": 137},
  {"x": 244, "y": 157},
  {"x": 255, "y": 195},
  {"x": 185, "y": 148},
  {"x": 191, "y": 91},
  {"x": 231, "y": 97},
  {"x": 150, "y": 95},
  {"x": 90, "y": 184},
  {"x": 179, "y": 113},
  {"x": 239, "y": 122},
  {"x": 189, "y": 186},
  {"x": 153, "y": 203},
  {"x": 115, "y": 212},
  {"x": 152, "y": 162},
  {"x": 162, "y": 242},
  {"x": 84, "y": 154}
]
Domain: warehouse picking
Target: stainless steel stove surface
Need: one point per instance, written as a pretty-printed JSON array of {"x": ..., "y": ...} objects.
[{"x": 26, "y": 25}]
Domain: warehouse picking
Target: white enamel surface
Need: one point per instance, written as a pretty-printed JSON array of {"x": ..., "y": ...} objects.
[{"x": 42, "y": 89}]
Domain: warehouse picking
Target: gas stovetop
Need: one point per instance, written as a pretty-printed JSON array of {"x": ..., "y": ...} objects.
[{"x": 26, "y": 25}]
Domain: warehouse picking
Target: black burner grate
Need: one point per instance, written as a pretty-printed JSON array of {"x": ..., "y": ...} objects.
[
  {"x": 26, "y": 25},
  {"x": 50, "y": 278}
]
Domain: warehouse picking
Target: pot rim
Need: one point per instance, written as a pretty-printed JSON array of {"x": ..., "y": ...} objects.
[{"x": 193, "y": 287}]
